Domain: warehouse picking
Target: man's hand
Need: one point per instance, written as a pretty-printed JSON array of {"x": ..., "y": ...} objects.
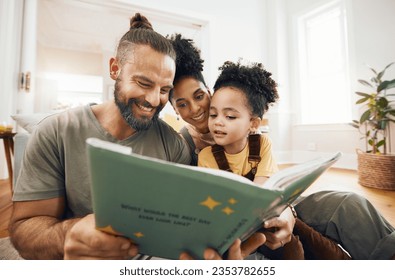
[
  {"x": 83, "y": 241},
  {"x": 237, "y": 250},
  {"x": 283, "y": 227}
]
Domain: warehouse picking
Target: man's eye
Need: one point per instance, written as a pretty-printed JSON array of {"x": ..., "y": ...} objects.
[
  {"x": 165, "y": 91},
  {"x": 144, "y": 85}
]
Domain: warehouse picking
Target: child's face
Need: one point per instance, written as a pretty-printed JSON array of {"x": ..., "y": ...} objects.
[
  {"x": 191, "y": 100},
  {"x": 230, "y": 119}
]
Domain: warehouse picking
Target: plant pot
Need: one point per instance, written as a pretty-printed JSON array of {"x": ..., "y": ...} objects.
[{"x": 376, "y": 171}]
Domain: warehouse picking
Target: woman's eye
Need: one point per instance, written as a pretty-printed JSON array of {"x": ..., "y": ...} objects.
[
  {"x": 199, "y": 97},
  {"x": 181, "y": 105}
]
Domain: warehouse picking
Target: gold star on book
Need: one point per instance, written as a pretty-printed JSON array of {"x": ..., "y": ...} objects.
[
  {"x": 232, "y": 201},
  {"x": 109, "y": 229},
  {"x": 138, "y": 234},
  {"x": 210, "y": 203},
  {"x": 227, "y": 210}
]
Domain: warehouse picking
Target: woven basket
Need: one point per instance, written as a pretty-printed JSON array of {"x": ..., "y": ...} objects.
[{"x": 376, "y": 171}]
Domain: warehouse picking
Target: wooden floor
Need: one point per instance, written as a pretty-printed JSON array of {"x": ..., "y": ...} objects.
[
  {"x": 347, "y": 180},
  {"x": 333, "y": 179},
  {"x": 5, "y": 207}
]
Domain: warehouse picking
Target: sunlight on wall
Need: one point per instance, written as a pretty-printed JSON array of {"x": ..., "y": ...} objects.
[{"x": 76, "y": 90}]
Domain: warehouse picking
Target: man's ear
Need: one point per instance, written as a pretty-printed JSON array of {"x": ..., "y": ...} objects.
[
  {"x": 255, "y": 123},
  {"x": 114, "y": 68}
]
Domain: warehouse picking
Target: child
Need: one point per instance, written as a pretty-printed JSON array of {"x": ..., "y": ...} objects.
[{"x": 242, "y": 94}]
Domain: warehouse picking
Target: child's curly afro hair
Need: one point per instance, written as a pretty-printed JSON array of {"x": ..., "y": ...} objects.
[{"x": 260, "y": 89}]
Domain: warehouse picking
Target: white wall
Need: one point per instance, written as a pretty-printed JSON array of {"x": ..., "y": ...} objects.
[
  {"x": 10, "y": 32},
  {"x": 236, "y": 29},
  {"x": 55, "y": 60},
  {"x": 261, "y": 30},
  {"x": 371, "y": 27}
]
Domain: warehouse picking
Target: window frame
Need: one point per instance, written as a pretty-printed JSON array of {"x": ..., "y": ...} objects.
[{"x": 301, "y": 67}]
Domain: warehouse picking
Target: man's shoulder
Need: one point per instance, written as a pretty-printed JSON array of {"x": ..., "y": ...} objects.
[
  {"x": 65, "y": 117},
  {"x": 167, "y": 129}
]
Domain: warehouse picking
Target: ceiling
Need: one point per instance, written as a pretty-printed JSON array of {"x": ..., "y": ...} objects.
[{"x": 97, "y": 26}]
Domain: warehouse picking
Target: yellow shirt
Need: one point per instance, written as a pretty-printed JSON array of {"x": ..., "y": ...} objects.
[{"x": 239, "y": 162}]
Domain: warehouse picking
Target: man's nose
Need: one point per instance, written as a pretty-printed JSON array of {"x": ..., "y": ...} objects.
[{"x": 153, "y": 97}]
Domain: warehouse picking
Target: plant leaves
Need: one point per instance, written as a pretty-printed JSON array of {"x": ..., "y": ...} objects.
[
  {"x": 365, "y": 83},
  {"x": 386, "y": 85},
  {"x": 380, "y": 143},
  {"x": 382, "y": 102},
  {"x": 363, "y": 94},
  {"x": 381, "y": 74},
  {"x": 365, "y": 116},
  {"x": 382, "y": 124},
  {"x": 362, "y": 100},
  {"x": 374, "y": 71}
]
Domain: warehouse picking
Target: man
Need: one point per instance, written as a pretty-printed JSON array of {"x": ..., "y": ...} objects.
[{"x": 52, "y": 217}]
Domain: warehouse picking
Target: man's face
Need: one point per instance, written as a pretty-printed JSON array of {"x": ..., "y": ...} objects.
[{"x": 142, "y": 86}]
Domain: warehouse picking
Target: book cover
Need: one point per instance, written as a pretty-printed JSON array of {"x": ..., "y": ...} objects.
[{"x": 168, "y": 208}]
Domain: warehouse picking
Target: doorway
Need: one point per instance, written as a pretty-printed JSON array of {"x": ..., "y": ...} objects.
[{"x": 76, "y": 38}]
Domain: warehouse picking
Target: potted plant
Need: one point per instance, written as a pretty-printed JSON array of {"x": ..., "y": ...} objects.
[{"x": 376, "y": 165}]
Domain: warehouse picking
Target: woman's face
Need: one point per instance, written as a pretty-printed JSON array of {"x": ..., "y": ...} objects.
[{"x": 191, "y": 100}]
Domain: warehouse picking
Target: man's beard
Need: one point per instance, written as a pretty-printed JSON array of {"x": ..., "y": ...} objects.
[{"x": 134, "y": 122}]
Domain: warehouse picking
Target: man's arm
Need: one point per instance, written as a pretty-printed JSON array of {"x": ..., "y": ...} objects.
[{"x": 38, "y": 232}]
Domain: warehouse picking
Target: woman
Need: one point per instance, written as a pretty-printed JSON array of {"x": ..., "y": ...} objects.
[
  {"x": 371, "y": 238},
  {"x": 190, "y": 96}
]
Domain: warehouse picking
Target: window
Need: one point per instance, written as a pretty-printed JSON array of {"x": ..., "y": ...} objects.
[
  {"x": 76, "y": 90},
  {"x": 325, "y": 93}
]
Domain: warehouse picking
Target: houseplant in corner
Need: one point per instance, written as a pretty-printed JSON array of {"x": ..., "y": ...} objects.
[{"x": 376, "y": 165}]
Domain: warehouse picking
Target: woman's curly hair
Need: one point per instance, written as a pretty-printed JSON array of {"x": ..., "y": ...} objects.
[
  {"x": 260, "y": 89},
  {"x": 188, "y": 61}
]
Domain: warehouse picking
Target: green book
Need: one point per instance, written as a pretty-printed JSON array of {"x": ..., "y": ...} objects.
[{"x": 168, "y": 208}]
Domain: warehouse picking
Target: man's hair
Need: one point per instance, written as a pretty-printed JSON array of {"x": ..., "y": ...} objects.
[
  {"x": 142, "y": 33},
  {"x": 259, "y": 88},
  {"x": 188, "y": 62}
]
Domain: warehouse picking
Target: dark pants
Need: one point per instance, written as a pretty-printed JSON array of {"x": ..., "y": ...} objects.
[{"x": 352, "y": 221}]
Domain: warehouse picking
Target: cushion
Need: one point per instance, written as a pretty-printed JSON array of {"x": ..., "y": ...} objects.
[
  {"x": 29, "y": 121},
  {"x": 7, "y": 250}
]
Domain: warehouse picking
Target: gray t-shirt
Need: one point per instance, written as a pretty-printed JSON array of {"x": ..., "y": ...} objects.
[{"x": 55, "y": 159}]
